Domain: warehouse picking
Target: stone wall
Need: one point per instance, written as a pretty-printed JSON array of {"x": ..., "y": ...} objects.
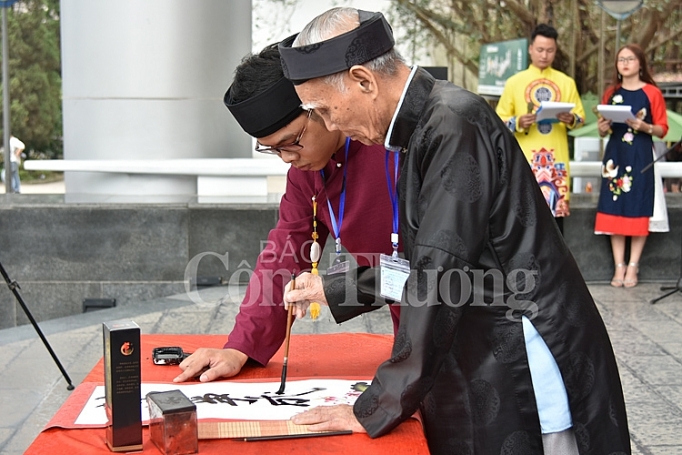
[{"x": 63, "y": 253}]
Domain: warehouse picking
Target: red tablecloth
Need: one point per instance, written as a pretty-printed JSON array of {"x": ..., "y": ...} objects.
[{"x": 342, "y": 355}]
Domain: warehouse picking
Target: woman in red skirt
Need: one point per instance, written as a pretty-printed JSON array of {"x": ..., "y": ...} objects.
[{"x": 626, "y": 200}]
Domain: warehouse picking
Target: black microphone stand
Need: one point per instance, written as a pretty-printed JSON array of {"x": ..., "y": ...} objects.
[
  {"x": 671, "y": 290},
  {"x": 14, "y": 286},
  {"x": 678, "y": 287},
  {"x": 675, "y": 145}
]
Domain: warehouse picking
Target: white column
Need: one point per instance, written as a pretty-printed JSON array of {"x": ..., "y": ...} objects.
[{"x": 144, "y": 79}]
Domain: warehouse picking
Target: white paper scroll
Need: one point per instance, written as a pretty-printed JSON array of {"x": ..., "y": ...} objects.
[{"x": 241, "y": 400}]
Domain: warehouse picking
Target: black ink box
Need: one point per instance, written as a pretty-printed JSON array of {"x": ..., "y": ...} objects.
[
  {"x": 173, "y": 422},
  {"x": 122, "y": 385}
]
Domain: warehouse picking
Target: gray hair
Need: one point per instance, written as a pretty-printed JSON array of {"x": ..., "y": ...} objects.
[{"x": 335, "y": 22}]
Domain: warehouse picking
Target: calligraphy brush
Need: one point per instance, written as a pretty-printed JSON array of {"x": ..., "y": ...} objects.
[{"x": 286, "y": 341}]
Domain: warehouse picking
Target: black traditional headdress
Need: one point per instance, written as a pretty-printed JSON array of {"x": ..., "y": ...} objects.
[
  {"x": 370, "y": 40},
  {"x": 267, "y": 112}
]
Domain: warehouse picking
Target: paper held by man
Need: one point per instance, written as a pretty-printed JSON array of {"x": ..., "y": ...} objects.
[
  {"x": 617, "y": 113},
  {"x": 548, "y": 110}
]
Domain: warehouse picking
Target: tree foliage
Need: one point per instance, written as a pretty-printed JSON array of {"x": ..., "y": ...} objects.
[
  {"x": 587, "y": 34},
  {"x": 35, "y": 75}
]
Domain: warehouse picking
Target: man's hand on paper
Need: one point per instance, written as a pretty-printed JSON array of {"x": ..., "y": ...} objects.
[
  {"x": 217, "y": 363},
  {"x": 566, "y": 117},
  {"x": 309, "y": 288},
  {"x": 329, "y": 418},
  {"x": 526, "y": 120}
]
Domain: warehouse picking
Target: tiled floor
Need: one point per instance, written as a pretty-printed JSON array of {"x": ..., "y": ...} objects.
[{"x": 647, "y": 340}]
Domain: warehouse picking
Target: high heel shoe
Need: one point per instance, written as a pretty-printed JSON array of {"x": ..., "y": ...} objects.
[
  {"x": 618, "y": 283},
  {"x": 632, "y": 283}
]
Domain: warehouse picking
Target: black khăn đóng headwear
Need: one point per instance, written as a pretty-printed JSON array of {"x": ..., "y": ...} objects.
[
  {"x": 370, "y": 40},
  {"x": 267, "y": 112}
]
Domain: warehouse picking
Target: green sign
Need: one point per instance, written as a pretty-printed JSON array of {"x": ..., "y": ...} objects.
[{"x": 498, "y": 62}]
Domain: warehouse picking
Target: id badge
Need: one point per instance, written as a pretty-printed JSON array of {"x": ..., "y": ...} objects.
[
  {"x": 339, "y": 266},
  {"x": 394, "y": 273}
]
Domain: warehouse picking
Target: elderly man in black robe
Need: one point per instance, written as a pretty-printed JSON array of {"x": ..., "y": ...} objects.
[{"x": 500, "y": 344}]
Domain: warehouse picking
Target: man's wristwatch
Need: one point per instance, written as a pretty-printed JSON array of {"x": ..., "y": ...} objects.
[{"x": 651, "y": 129}]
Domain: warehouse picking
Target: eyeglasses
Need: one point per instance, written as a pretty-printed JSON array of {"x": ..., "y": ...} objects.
[
  {"x": 627, "y": 59},
  {"x": 293, "y": 147}
]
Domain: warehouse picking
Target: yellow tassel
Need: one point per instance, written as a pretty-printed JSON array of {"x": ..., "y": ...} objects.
[
  {"x": 314, "y": 310},
  {"x": 314, "y": 307},
  {"x": 315, "y": 257}
]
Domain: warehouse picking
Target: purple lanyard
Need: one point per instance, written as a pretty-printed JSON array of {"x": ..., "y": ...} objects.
[
  {"x": 393, "y": 192},
  {"x": 336, "y": 225}
]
